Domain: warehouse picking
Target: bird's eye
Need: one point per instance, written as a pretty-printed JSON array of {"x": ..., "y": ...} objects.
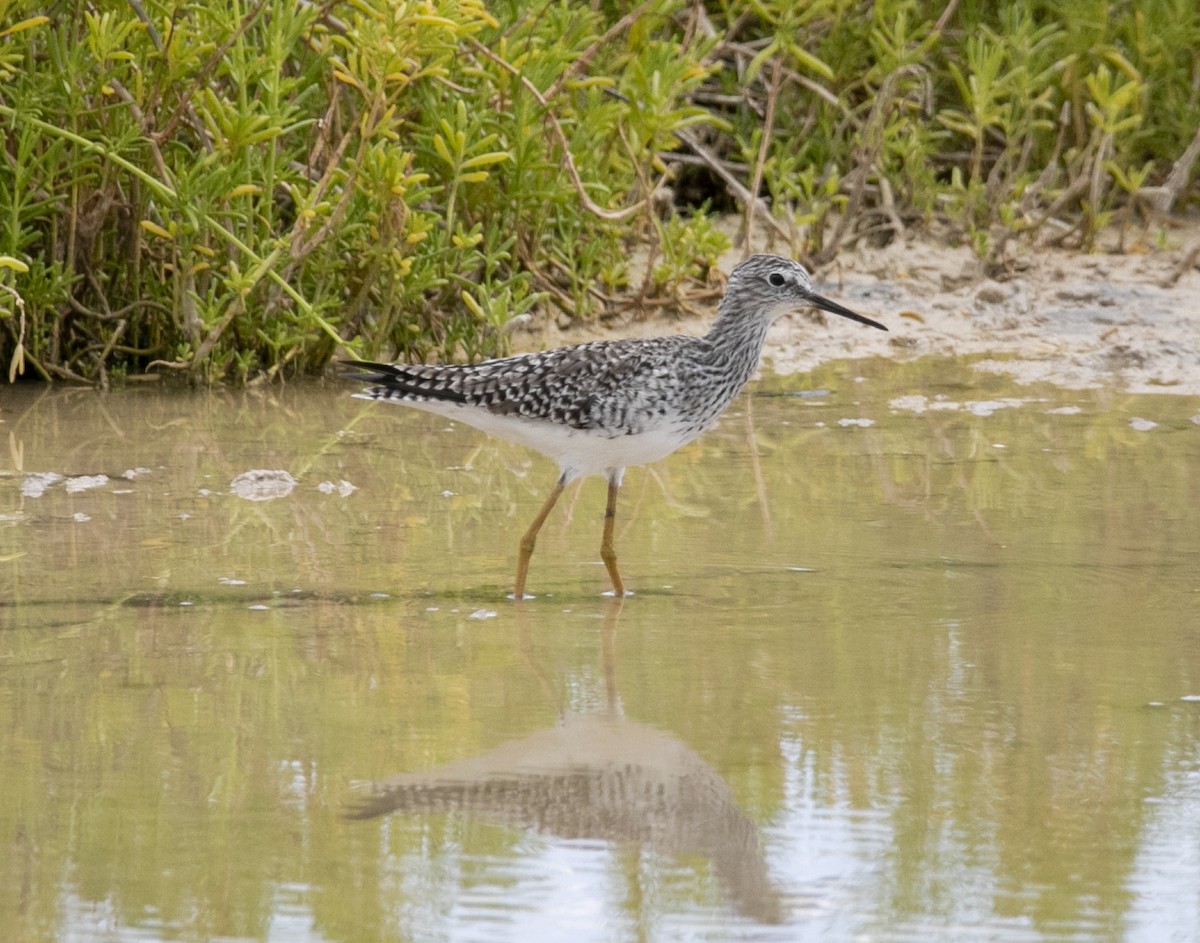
[{"x": 776, "y": 279}]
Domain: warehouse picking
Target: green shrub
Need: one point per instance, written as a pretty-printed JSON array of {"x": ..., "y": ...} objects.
[{"x": 241, "y": 190}]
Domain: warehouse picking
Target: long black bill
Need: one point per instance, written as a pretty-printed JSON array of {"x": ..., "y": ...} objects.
[{"x": 834, "y": 308}]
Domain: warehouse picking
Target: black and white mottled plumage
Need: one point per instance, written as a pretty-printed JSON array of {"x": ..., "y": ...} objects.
[{"x": 600, "y": 407}]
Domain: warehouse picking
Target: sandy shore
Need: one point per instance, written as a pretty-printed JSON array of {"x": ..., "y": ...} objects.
[
  {"x": 1078, "y": 320},
  {"x": 1065, "y": 317}
]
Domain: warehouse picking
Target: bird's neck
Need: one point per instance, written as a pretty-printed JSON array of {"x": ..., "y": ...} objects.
[{"x": 736, "y": 342}]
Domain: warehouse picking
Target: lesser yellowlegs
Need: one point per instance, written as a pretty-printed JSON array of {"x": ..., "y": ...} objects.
[{"x": 600, "y": 407}]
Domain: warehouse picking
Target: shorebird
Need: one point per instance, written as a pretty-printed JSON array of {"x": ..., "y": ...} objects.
[{"x": 600, "y": 407}]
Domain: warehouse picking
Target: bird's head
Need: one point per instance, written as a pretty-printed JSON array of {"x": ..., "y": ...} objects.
[{"x": 771, "y": 285}]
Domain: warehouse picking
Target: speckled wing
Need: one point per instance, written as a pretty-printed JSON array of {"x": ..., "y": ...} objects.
[{"x": 604, "y": 384}]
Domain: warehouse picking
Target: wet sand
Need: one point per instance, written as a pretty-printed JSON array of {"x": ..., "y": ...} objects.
[{"x": 1110, "y": 318}]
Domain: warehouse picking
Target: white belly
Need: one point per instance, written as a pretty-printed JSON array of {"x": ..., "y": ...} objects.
[{"x": 578, "y": 452}]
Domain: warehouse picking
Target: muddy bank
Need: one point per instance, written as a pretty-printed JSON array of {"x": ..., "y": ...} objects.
[
  {"x": 1074, "y": 319},
  {"x": 1065, "y": 317}
]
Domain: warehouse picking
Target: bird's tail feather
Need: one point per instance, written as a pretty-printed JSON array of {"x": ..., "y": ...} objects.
[{"x": 397, "y": 381}]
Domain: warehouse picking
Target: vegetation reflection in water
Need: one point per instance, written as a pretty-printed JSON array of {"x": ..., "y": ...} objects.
[{"x": 934, "y": 687}]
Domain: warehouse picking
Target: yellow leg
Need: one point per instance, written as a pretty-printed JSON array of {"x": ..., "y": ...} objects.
[
  {"x": 607, "y": 552},
  {"x": 529, "y": 541}
]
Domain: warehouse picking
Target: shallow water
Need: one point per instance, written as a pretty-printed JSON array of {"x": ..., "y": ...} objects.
[{"x": 913, "y": 654}]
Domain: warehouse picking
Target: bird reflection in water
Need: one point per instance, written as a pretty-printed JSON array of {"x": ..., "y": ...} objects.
[{"x": 599, "y": 777}]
